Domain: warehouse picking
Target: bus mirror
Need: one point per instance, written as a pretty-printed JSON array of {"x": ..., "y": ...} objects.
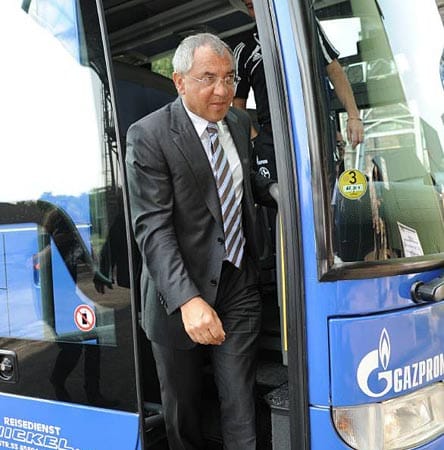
[{"x": 432, "y": 291}]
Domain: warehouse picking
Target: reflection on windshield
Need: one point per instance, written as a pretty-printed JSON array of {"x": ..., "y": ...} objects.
[
  {"x": 58, "y": 211},
  {"x": 56, "y": 100},
  {"x": 395, "y": 208},
  {"x": 60, "y": 19}
]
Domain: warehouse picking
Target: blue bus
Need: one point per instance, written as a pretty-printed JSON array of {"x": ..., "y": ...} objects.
[{"x": 352, "y": 344}]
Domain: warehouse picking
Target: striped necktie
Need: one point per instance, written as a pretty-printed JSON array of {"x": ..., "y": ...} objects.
[{"x": 230, "y": 206}]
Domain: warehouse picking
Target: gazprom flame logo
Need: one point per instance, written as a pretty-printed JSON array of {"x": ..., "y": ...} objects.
[
  {"x": 376, "y": 362},
  {"x": 384, "y": 349}
]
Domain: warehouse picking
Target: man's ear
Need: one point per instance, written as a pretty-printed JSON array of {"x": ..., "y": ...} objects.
[{"x": 179, "y": 82}]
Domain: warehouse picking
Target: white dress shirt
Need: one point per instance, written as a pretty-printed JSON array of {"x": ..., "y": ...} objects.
[{"x": 228, "y": 145}]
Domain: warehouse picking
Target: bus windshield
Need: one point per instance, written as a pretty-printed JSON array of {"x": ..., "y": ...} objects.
[{"x": 387, "y": 193}]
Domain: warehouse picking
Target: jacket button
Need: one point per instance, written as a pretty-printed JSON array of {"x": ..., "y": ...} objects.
[
  {"x": 220, "y": 240},
  {"x": 213, "y": 282}
]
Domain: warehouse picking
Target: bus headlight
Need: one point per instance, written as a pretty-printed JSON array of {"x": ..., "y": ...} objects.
[{"x": 401, "y": 423}]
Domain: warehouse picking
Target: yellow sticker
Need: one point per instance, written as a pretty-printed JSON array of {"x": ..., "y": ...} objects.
[{"x": 352, "y": 184}]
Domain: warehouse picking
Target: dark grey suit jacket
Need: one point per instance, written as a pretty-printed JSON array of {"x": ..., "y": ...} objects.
[{"x": 176, "y": 215}]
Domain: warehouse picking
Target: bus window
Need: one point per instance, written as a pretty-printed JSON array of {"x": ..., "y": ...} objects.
[
  {"x": 64, "y": 283},
  {"x": 387, "y": 199}
]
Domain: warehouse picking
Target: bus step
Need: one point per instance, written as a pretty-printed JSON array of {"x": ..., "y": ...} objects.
[
  {"x": 153, "y": 415},
  {"x": 280, "y": 422},
  {"x": 271, "y": 374}
]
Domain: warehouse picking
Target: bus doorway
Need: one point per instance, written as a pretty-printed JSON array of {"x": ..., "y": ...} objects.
[{"x": 144, "y": 85}]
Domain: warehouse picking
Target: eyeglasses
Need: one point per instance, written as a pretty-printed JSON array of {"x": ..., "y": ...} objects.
[{"x": 211, "y": 80}]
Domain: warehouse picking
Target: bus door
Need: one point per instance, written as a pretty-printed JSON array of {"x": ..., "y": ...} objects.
[
  {"x": 67, "y": 361},
  {"x": 363, "y": 229},
  {"x": 142, "y": 42}
]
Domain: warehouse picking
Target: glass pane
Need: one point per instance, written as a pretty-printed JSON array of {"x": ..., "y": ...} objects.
[
  {"x": 63, "y": 265},
  {"x": 387, "y": 199}
]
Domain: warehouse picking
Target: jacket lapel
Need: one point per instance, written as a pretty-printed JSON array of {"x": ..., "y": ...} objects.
[
  {"x": 241, "y": 139},
  {"x": 238, "y": 134},
  {"x": 190, "y": 145}
]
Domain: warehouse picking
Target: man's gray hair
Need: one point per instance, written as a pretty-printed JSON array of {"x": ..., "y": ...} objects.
[{"x": 184, "y": 56}]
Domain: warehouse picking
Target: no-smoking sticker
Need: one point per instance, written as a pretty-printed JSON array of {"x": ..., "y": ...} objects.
[
  {"x": 352, "y": 184},
  {"x": 84, "y": 318}
]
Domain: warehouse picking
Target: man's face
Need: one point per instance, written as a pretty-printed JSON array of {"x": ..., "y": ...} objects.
[
  {"x": 249, "y": 5},
  {"x": 209, "y": 102}
]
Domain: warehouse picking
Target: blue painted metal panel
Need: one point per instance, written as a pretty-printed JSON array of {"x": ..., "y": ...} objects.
[
  {"x": 320, "y": 419},
  {"x": 27, "y": 423},
  {"x": 386, "y": 355}
]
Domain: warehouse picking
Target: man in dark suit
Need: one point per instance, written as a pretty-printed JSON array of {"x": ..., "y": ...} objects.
[{"x": 191, "y": 194}]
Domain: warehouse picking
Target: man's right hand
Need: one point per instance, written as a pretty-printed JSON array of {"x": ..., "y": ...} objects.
[{"x": 201, "y": 322}]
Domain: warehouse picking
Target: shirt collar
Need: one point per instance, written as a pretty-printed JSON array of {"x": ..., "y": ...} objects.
[{"x": 198, "y": 122}]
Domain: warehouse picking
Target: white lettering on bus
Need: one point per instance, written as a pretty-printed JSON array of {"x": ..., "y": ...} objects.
[{"x": 399, "y": 379}]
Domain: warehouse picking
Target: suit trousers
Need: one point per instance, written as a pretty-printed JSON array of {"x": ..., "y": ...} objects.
[{"x": 234, "y": 367}]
